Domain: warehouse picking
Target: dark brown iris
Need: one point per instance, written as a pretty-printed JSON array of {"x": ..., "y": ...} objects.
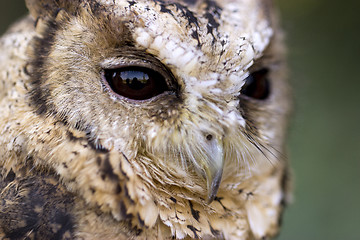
[
  {"x": 257, "y": 85},
  {"x": 137, "y": 83}
]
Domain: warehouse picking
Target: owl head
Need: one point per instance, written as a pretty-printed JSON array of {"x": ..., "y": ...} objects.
[{"x": 180, "y": 100}]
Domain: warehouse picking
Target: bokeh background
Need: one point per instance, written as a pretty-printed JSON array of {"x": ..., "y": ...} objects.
[{"x": 324, "y": 57}]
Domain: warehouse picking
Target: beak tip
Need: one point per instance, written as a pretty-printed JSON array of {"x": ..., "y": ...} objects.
[
  {"x": 210, "y": 198},
  {"x": 213, "y": 186}
]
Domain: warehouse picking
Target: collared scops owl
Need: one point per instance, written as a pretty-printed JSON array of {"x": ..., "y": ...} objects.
[{"x": 143, "y": 119}]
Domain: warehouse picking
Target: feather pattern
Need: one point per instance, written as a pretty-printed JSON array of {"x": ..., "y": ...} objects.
[{"x": 201, "y": 160}]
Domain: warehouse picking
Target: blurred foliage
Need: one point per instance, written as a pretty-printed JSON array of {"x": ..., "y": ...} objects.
[
  {"x": 10, "y": 12},
  {"x": 324, "y": 50},
  {"x": 324, "y": 47}
]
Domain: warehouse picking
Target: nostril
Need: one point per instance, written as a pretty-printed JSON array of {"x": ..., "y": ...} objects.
[{"x": 209, "y": 137}]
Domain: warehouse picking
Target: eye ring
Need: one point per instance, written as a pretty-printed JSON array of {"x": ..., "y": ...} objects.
[
  {"x": 137, "y": 83},
  {"x": 257, "y": 85}
]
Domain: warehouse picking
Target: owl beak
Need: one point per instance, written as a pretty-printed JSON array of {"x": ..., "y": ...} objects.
[
  {"x": 214, "y": 167},
  {"x": 213, "y": 183}
]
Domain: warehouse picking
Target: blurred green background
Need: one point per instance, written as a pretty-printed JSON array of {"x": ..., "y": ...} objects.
[{"x": 324, "y": 52}]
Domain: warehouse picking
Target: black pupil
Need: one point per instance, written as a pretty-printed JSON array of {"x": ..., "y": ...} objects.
[
  {"x": 138, "y": 83},
  {"x": 257, "y": 85},
  {"x": 134, "y": 79}
]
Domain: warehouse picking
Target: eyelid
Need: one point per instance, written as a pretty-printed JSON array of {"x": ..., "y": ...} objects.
[
  {"x": 119, "y": 62},
  {"x": 131, "y": 61}
]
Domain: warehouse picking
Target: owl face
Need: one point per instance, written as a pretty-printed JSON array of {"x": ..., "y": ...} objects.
[{"x": 193, "y": 90}]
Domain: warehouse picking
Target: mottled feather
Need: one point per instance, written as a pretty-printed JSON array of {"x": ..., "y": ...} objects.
[{"x": 203, "y": 159}]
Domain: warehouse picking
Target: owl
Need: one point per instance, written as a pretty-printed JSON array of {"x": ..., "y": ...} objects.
[{"x": 143, "y": 119}]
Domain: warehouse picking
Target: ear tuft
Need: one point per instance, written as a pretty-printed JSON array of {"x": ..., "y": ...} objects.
[{"x": 43, "y": 8}]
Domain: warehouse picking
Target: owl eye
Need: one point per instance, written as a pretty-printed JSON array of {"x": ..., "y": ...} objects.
[
  {"x": 137, "y": 83},
  {"x": 257, "y": 85}
]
